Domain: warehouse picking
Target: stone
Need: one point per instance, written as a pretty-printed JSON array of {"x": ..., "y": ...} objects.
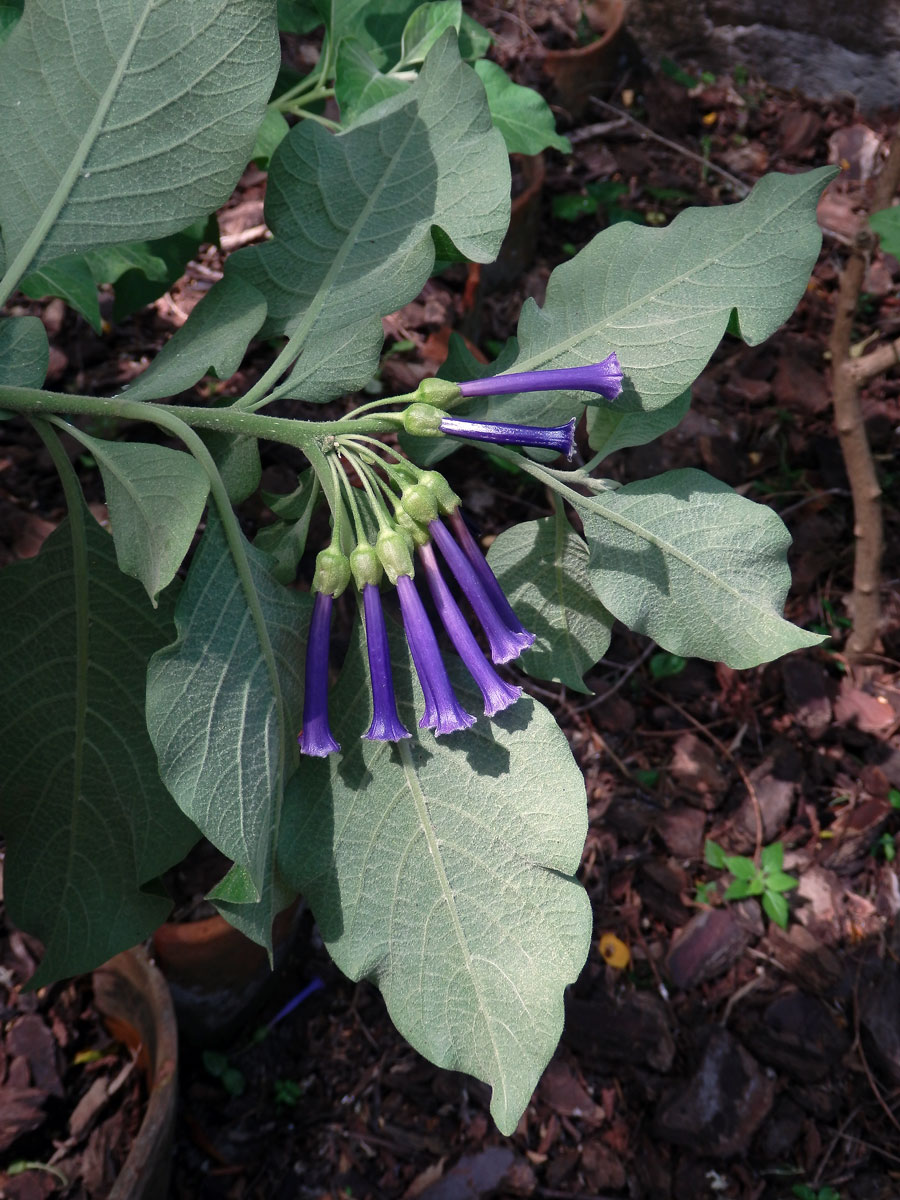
[
  {"x": 633, "y": 1027},
  {"x": 717, "y": 1112},
  {"x": 799, "y": 1035},
  {"x": 818, "y": 49}
]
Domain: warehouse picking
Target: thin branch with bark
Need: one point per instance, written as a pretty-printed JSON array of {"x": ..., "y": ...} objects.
[{"x": 848, "y": 373}]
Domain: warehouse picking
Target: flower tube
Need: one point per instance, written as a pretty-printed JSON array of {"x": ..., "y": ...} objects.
[
  {"x": 489, "y": 580},
  {"x": 443, "y": 711},
  {"x": 497, "y": 693},
  {"x": 604, "y": 378},
  {"x": 316, "y": 737},
  {"x": 386, "y": 724},
  {"x": 560, "y": 438},
  {"x": 505, "y": 641}
]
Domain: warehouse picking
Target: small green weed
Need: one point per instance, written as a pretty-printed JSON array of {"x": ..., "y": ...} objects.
[
  {"x": 231, "y": 1079},
  {"x": 804, "y": 1192},
  {"x": 767, "y": 880}
]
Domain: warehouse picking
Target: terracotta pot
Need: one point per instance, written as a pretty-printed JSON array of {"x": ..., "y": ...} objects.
[
  {"x": 520, "y": 243},
  {"x": 578, "y": 72},
  {"x": 133, "y": 998},
  {"x": 216, "y": 974}
]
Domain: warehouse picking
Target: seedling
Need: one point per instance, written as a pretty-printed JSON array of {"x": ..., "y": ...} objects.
[{"x": 767, "y": 880}]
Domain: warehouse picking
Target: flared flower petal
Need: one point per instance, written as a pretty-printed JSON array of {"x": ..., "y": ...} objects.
[
  {"x": 497, "y": 693},
  {"x": 489, "y": 580},
  {"x": 604, "y": 378},
  {"x": 560, "y": 438},
  {"x": 386, "y": 724},
  {"x": 505, "y": 642},
  {"x": 315, "y": 737},
  {"x": 443, "y": 712}
]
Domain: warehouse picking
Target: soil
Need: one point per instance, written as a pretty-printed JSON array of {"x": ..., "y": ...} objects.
[{"x": 707, "y": 1052}]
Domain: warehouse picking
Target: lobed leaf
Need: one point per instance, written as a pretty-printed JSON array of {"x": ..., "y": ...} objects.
[
  {"x": 352, "y": 217},
  {"x": 24, "y": 352},
  {"x": 154, "y": 109},
  {"x": 611, "y": 429},
  {"x": 663, "y": 298},
  {"x": 695, "y": 566},
  {"x": 543, "y": 568},
  {"x": 86, "y": 819},
  {"x": 521, "y": 114},
  {"x": 443, "y": 870}
]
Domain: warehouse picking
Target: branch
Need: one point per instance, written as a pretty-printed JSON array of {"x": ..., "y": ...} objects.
[{"x": 847, "y": 374}]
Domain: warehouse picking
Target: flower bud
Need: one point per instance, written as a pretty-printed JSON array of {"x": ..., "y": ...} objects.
[
  {"x": 332, "y": 572},
  {"x": 423, "y": 420},
  {"x": 393, "y": 553},
  {"x": 444, "y": 495},
  {"x": 439, "y": 392},
  {"x": 365, "y": 565},
  {"x": 419, "y": 502}
]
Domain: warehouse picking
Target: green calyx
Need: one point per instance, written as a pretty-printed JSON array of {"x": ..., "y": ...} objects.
[
  {"x": 423, "y": 420},
  {"x": 444, "y": 496},
  {"x": 393, "y": 552},
  {"x": 417, "y": 534},
  {"x": 332, "y": 571},
  {"x": 419, "y": 501},
  {"x": 365, "y": 565},
  {"x": 437, "y": 392}
]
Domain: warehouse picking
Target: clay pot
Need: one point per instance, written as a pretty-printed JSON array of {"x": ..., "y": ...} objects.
[
  {"x": 216, "y": 974},
  {"x": 578, "y": 72},
  {"x": 133, "y": 998}
]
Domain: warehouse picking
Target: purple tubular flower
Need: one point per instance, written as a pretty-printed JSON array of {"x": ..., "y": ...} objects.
[
  {"x": 386, "y": 724},
  {"x": 497, "y": 693},
  {"x": 316, "y": 737},
  {"x": 505, "y": 641},
  {"x": 604, "y": 378},
  {"x": 488, "y": 579},
  {"x": 554, "y": 437},
  {"x": 443, "y": 712}
]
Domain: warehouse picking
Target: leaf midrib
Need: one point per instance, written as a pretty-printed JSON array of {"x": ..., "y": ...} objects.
[
  {"x": 570, "y": 343},
  {"x": 55, "y": 206},
  {"x": 446, "y": 890}
]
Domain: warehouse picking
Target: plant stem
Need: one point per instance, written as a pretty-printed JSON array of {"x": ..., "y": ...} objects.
[{"x": 224, "y": 420}]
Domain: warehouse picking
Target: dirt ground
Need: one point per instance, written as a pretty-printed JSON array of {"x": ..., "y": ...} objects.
[{"x": 707, "y": 1052}]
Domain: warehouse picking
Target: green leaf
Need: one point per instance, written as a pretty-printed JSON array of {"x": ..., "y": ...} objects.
[
  {"x": 86, "y": 820},
  {"x": 359, "y": 85},
  {"x": 235, "y": 897},
  {"x": 886, "y": 224},
  {"x": 714, "y": 854},
  {"x": 739, "y": 890},
  {"x": 269, "y": 136},
  {"x": 741, "y": 867},
  {"x": 238, "y": 462},
  {"x": 285, "y": 541},
  {"x": 521, "y": 114},
  {"x": 24, "y": 352},
  {"x": 610, "y": 429},
  {"x": 474, "y": 39},
  {"x": 666, "y": 666},
  {"x": 776, "y": 908},
  {"x": 772, "y": 856},
  {"x": 542, "y": 567},
  {"x": 662, "y": 298},
  {"x": 443, "y": 870},
  {"x": 214, "y": 338},
  {"x": 156, "y": 498},
  {"x": 695, "y": 566},
  {"x": 348, "y": 249},
  {"x": 136, "y": 288},
  {"x": 425, "y": 26},
  {"x": 224, "y": 735},
  {"x": 146, "y": 140},
  {"x": 778, "y": 881},
  {"x": 10, "y": 12},
  {"x": 298, "y": 16},
  {"x": 75, "y": 277}
]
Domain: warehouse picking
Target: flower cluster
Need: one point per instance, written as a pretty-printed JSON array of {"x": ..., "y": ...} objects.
[{"x": 416, "y": 511}]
